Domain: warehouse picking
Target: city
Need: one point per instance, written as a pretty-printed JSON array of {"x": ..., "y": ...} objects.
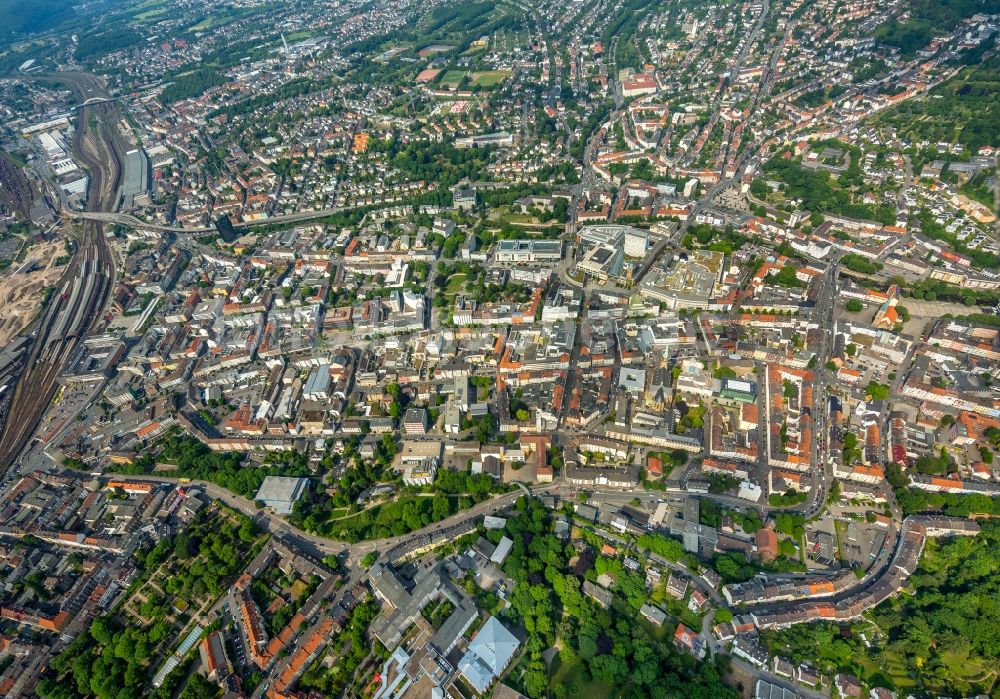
[{"x": 607, "y": 348}]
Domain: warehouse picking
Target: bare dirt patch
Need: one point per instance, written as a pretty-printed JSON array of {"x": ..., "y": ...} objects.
[{"x": 21, "y": 292}]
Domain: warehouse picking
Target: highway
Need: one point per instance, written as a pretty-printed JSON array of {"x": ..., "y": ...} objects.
[{"x": 81, "y": 294}]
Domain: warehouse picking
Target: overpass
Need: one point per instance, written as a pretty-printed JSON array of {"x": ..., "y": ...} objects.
[
  {"x": 299, "y": 216},
  {"x": 129, "y": 220}
]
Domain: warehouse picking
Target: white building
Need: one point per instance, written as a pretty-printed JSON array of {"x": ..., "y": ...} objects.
[
  {"x": 636, "y": 242},
  {"x": 531, "y": 251},
  {"x": 488, "y": 656}
]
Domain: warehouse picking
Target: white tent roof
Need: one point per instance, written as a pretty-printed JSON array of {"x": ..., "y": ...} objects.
[{"x": 488, "y": 655}]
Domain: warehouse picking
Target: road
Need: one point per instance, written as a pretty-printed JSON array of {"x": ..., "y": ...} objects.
[
  {"x": 319, "y": 546},
  {"x": 129, "y": 220},
  {"x": 822, "y": 472},
  {"x": 102, "y": 216}
]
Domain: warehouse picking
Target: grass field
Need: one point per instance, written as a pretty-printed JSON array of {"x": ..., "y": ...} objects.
[
  {"x": 520, "y": 219},
  {"x": 963, "y": 110},
  {"x": 204, "y": 24},
  {"x": 151, "y": 14},
  {"x": 489, "y": 78},
  {"x": 453, "y": 78},
  {"x": 148, "y": 5},
  {"x": 455, "y": 284},
  {"x": 221, "y": 19},
  {"x": 894, "y": 673},
  {"x": 386, "y": 519},
  {"x": 298, "y": 587},
  {"x": 16, "y": 159},
  {"x": 573, "y": 676},
  {"x": 474, "y": 48}
]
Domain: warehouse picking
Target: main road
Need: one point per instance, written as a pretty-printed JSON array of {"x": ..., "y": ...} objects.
[
  {"x": 321, "y": 546},
  {"x": 76, "y": 305}
]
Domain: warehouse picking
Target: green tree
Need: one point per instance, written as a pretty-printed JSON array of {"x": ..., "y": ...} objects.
[
  {"x": 440, "y": 508},
  {"x": 877, "y": 391},
  {"x": 200, "y": 688}
]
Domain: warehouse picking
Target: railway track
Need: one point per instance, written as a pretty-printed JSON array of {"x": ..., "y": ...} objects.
[
  {"x": 76, "y": 307},
  {"x": 16, "y": 186}
]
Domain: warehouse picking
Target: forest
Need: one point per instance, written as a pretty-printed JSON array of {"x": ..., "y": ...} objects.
[
  {"x": 196, "y": 461},
  {"x": 21, "y": 16},
  {"x": 915, "y": 500},
  {"x": 860, "y": 264},
  {"x": 934, "y": 289},
  {"x": 441, "y": 163},
  {"x": 191, "y": 84},
  {"x": 114, "y": 39},
  {"x": 602, "y": 652},
  {"x": 454, "y": 24},
  {"x": 340, "y": 516}
]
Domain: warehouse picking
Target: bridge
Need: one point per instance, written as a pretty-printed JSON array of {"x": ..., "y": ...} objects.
[
  {"x": 299, "y": 216},
  {"x": 129, "y": 220}
]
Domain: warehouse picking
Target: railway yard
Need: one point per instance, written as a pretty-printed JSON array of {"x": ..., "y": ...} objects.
[
  {"x": 75, "y": 308},
  {"x": 14, "y": 186}
]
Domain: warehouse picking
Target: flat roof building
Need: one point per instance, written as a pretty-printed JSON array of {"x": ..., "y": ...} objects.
[
  {"x": 280, "y": 492},
  {"x": 408, "y": 597},
  {"x": 738, "y": 389},
  {"x": 135, "y": 178},
  {"x": 317, "y": 386},
  {"x": 529, "y": 251},
  {"x": 502, "y": 551},
  {"x": 602, "y": 261},
  {"x": 689, "y": 282},
  {"x": 415, "y": 421}
]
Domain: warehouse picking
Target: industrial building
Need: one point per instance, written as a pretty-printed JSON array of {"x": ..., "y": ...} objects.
[{"x": 135, "y": 178}]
